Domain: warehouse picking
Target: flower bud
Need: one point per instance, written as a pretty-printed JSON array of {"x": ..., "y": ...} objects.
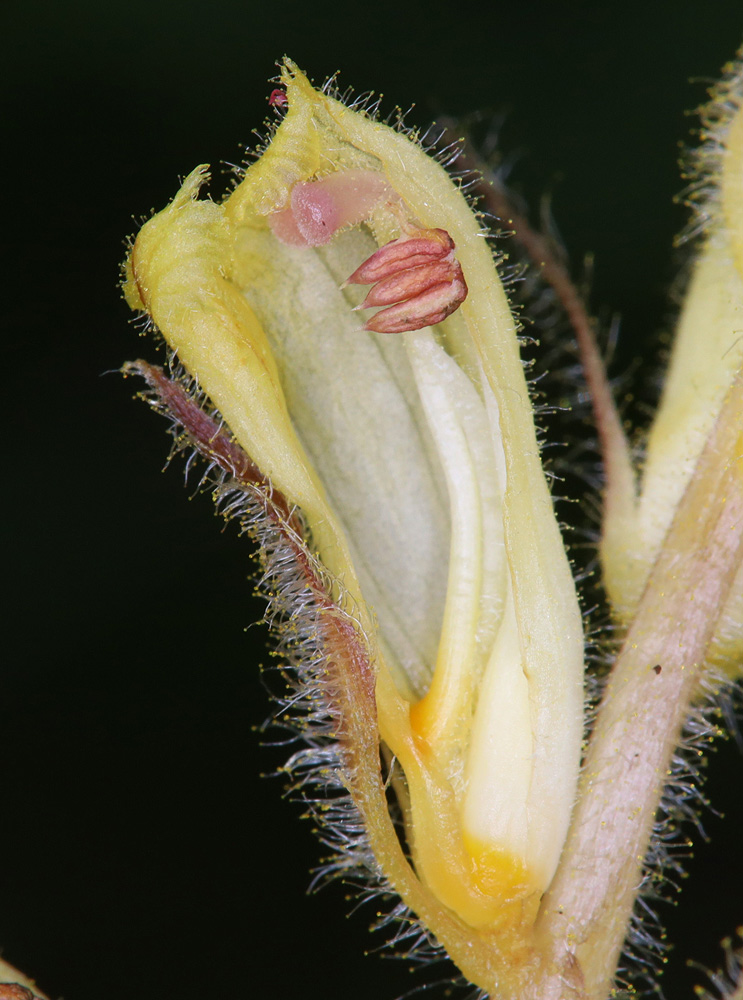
[{"x": 707, "y": 356}]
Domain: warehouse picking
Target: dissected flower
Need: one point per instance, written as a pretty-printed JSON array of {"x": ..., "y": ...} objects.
[
  {"x": 387, "y": 464},
  {"x": 431, "y": 577}
]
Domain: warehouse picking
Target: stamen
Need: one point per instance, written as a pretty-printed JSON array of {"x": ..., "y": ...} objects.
[
  {"x": 427, "y": 309},
  {"x": 406, "y": 284},
  {"x": 408, "y": 251},
  {"x": 417, "y": 277}
]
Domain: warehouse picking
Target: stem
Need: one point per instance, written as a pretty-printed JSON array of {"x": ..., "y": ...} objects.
[{"x": 584, "y": 919}]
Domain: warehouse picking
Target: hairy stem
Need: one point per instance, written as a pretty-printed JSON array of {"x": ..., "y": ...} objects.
[{"x": 584, "y": 919}]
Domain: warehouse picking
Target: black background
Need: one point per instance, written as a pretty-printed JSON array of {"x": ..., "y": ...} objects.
[{"x": 141, "y": 855}]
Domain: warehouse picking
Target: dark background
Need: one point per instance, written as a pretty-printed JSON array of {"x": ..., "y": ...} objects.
[{"x": 138, "y": 841}]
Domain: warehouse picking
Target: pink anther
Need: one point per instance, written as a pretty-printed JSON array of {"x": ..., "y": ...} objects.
[
  {"x": 417, "y": 278},
  {"x": 412, "y": 281},
  {"x": 408, "y": 251}
]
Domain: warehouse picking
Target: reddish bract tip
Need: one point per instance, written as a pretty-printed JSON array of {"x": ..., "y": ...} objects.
[
  {"x": 278, "y": 99},
  {"x": 14, "y": 991},
  {"x": 318, "y": 208},
  {"x": 417, "y": 277}
]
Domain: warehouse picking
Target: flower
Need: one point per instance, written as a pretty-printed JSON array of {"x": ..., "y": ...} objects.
[{"x": 449, "y": 627}]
